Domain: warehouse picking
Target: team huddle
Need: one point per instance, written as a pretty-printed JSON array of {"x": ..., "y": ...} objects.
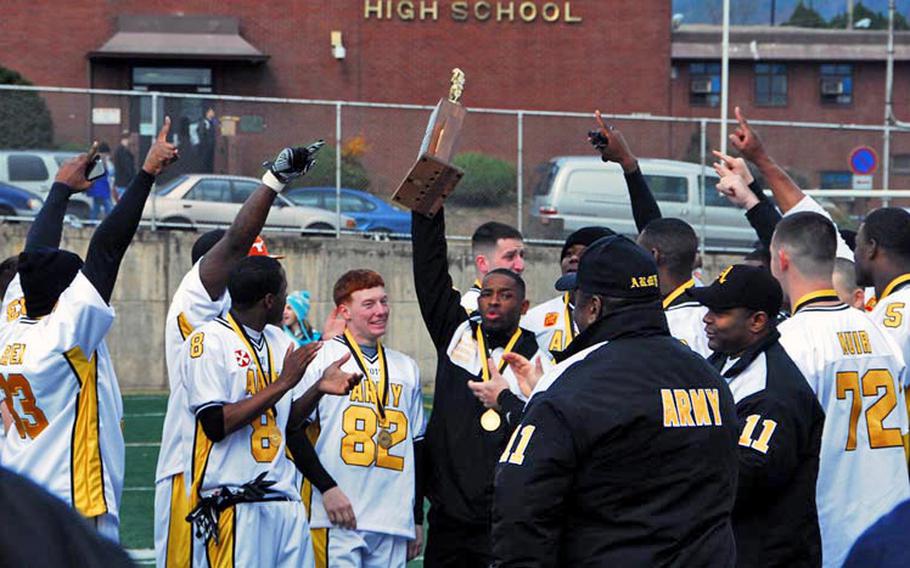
[{"x": 637, "y": 418}]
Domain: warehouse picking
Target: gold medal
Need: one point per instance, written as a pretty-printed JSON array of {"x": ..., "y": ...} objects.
[
  {"x": 384, "y": 439},
  {"x": 490, "y": 421}
]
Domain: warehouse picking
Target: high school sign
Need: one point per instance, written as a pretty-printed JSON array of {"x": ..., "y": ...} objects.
[{"x": 463, "y": 11}]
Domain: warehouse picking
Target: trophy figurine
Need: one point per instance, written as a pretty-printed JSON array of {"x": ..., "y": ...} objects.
[{"x": 433, "y": 178}]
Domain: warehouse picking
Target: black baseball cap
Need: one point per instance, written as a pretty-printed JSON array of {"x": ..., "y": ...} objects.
[
  {"x": 614, "y": 266},
  {"x": 741, "y": 286}
]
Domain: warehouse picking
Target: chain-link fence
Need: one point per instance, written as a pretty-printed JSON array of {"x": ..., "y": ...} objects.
[{"x": 532, "y": 169}]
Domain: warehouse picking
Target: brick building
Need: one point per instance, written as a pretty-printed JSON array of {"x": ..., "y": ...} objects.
[{"x": 620, "y": 56}]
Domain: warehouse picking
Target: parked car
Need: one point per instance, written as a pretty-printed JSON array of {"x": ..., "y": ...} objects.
[
  {"x": 35, "y": 170},
  {"x": 18, "y": 202},
  {"x": 578, "y": 191},
  {"x": 371, "y": 213},
  {"x": 205, "y": 199}
]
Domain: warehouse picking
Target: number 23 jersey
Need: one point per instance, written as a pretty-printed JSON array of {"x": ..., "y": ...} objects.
[
  {"x": 66, "y": 434},
  {"x": 378, "y": 481}
]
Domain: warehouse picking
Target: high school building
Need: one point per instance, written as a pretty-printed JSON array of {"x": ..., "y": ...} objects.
[{"x": 621, "y": 56}]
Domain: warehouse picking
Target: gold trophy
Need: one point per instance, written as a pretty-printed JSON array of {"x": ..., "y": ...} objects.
[{"x": 433, "y": 178}]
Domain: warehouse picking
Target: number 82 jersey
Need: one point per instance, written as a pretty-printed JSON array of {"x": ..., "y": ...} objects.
[{"x": 378, "y": 481}]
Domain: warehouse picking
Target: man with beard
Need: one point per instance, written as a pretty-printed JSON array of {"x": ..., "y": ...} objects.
[{"x": 464, "y": 439}]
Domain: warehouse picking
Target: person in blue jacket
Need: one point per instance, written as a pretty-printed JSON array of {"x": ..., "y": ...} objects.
[{"x": 295, "y": 322}]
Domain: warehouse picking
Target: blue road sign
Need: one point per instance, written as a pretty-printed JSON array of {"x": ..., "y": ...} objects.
[{"x": 863, "y": 161}]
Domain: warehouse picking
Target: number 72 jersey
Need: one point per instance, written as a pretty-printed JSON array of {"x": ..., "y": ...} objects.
[{"x": 856, "y": 372}]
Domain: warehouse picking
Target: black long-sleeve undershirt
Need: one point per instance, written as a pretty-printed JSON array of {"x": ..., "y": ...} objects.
[
  {"x": 47, "y": 228},
  {"x": 644, "y": 207},
  {"x": 307, "y": 460},
  {"x": 419, "y": 481},
  {"x": 114, "y": 234}
]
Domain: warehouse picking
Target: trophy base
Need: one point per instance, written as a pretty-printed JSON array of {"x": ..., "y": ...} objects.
[{"x": 427, "y": 185}]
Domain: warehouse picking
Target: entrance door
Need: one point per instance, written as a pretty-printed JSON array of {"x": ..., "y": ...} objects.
[{"x": 185, "y": 113}]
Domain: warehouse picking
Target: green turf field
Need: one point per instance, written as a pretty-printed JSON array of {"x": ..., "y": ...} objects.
[{"x": 143, "y": 419}]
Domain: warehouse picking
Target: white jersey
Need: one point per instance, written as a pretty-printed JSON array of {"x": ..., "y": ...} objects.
[
  {"x": 552, "y": 323},
  {"x": 378, "y": 481},
  {"x": 685, "y": 318},
  {"x": 13, "y": 302},
  {"x": 469, "y": 298},
  {"x": 856, "y": 372},
  {"x": 892, "y": 317},
  {"x": 65, "y": 401},
  {"x": 190, "y": 308},
  {"x": 220, "y": 367}
]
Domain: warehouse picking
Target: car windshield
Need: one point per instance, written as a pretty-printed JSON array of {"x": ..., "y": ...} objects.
[{"x": 169, "y": 186}]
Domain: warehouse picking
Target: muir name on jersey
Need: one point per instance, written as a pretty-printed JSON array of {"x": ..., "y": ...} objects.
[{"x": 855, "y": 342}]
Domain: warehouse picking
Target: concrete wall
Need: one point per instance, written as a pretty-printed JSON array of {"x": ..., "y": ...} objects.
[{"x": 157, "y": 261}]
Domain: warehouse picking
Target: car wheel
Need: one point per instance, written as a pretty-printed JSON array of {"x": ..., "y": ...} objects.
[
  {"x": 321, "y": 228},
  {"x": 380, "y": 235},
  {"x": 78, "y": 209},
  {"x": 186, "y": 224},
  {"x": 7, "y": 212}
]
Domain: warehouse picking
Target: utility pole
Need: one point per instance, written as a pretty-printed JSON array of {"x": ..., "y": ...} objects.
[
  {"x": 773, "y": 10},
  {"x": 849, "y": 14}
]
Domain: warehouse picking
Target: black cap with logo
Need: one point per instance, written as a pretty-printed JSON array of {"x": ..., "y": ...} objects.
[
  {"x": 741, "y": 286},
  {"x": 617, "y": 267}
]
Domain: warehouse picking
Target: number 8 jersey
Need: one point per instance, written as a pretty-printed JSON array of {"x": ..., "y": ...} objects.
[
  {"x": 378, "y": 480},
  {"x": 66, "y": 434},
  {"x": 856, "y": 373},
  {"x": 221, "y": 367}
]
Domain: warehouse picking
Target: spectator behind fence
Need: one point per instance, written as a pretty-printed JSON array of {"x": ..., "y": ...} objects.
[
  {"x": 295, "y": 321},
  {"x": 124, "y": 165},
  {"x": 100, "y": 191}
]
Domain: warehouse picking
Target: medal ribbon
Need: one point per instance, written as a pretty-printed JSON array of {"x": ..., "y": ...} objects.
[
  {"x": 383, "y": 397},
  {"x": 570, "y": 325},
  {"x": 238, "y": 329},
  {"x": 482, "y": 346}
]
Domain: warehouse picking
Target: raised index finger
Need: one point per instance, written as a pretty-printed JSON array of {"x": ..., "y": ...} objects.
[
  {"x": 741, "y": 117},
  {"x": 165, "y": 130},
  {"x": 600, "y": 122}
]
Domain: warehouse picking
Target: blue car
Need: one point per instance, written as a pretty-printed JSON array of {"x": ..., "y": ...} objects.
[
  {"x": 17, "y": 202},
  {"x": 371, "y": 213}
]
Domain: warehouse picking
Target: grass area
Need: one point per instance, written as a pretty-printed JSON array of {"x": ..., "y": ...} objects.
[{"x": 143, "y": 420}]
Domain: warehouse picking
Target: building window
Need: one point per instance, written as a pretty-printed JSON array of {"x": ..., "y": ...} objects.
[
  {"x": 837, "y": 180},
  {"x": 900, "y": 164},
  {"x": 704, "y": 84},
  {"x": 770, "y": 84},
  {"x": 837, "y": 84}
]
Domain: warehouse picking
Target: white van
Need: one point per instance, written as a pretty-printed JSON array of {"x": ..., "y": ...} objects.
[
  {"x": 580, "y": 191},
  {"x": 35, "y": 171}
]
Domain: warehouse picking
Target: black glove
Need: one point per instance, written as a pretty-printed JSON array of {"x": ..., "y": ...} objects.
[{"x": 290, "y": 164}]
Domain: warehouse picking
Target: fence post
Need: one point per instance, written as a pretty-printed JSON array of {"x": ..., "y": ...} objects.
[
  {"x": 520, "y": 166},
  {"x": 338, "y": 170},
  {"x": 703, "y": 127},
  {"x": 155, "y": 128}
]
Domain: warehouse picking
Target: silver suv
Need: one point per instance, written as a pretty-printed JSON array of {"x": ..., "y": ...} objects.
[{"x": 579, "y": 191}]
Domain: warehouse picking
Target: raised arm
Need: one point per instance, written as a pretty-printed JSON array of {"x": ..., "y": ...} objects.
[
  {"x": 746, "y": 140},
  {"x": 290, "y": 164},
  {"x": 741, "y": 191},
  {"x": 114, "y": 234},
  {"x": 47, "y": 228},
  {"x": 613, "y": 147},
  {"x": 440, "y": 303}
]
